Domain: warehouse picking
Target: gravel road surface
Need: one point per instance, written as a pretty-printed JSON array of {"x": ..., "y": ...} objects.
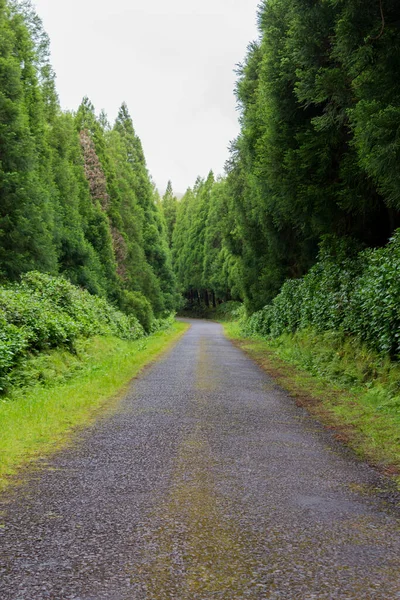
[{"x": 207, "y": 482}]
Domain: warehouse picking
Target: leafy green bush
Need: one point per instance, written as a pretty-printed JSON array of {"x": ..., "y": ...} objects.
[
  {"x": 229, "y": 310},
  {"x": 259, "y": 323},
  {"x": 13, "y": 342},
  {"x": 355, "y": 293},
  {"x": 162, "y": 324},
  {"x": 374, "y": 313},
  {"x": 45, "y": 312},
  {"x": 134, "y": 303}
]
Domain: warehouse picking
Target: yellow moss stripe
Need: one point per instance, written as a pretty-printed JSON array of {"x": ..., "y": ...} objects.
[{"x": 199, "y": 552}]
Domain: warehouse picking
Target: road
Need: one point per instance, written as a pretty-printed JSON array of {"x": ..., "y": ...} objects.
[{"x": 207, "y": 482}]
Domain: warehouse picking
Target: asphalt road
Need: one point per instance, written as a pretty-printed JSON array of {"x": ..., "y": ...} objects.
[{"x": 207, "y": 482}]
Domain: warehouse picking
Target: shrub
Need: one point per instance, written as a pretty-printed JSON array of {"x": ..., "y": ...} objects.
[
  {"x": 46, "y": 312},
  {"x": 357, "y": 293},
  {"x": 374, "y": 312},
  {"x": 229, "y": 310},
  {"x": 162, "y": 324},
  {"x": 134, "y": 303}
]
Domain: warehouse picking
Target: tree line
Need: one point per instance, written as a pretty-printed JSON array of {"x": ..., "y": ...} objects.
[
  {"x": 76, "y": 197},
  {"x": 315, "y": 165},
  {"x": 317, "y": 158}
]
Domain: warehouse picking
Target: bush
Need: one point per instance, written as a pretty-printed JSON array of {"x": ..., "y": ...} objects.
[
  {"x": 162, "y": 324},
  {"x": 374, "y": 314},
  {"x": 47, "y": 312},
  {"x": 134, "y": 303},
  {"x": 259, "y": 324},
  {"x": 354, "y": 293},
  {"x": 13, "y": 342},
  {"x": 229, "y": 310}
]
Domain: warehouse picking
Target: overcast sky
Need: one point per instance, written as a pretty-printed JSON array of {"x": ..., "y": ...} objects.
[{"x": 171, "y": 61}]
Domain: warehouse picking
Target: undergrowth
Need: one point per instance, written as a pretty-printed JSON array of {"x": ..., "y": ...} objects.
[
  {"x": 43, "y": 312},
  {"x": 57, "y": 391}
]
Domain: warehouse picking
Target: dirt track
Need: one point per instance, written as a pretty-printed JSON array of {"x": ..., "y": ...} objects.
[{"x": 208, "y": 482}]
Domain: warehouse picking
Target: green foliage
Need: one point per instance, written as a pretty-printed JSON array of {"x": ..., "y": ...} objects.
[
  {"x": 374, "y": 311},
  {"x": 26, "y": 209},
  {"x": 134, "y": 303},
  {"x": 76, "y": 197},
  {"x": 154, "y": 276},
  {"x": 160, "y": 325},
  {"x": 206, "y": 268},
  {"x": 169, "y": 206},
  {"x": 357, "y": 294},
  {"x": 318, "y": 148},
  {"x": 229, "y": 310},
  {"x": 195, "y": 310},
  {"x": 45, "y": 312}
]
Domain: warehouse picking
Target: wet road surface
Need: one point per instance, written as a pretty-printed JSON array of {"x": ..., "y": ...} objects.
[{"x": 208, "y": 482}]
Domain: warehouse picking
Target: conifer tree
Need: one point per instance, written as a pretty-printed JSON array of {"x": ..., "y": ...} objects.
[
  {"x": 155, "y": 244},
  {"x": 169, "y": 205},
  {"x": 26, "y": 211}
]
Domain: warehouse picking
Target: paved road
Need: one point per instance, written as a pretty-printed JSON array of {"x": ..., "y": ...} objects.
[{"x": 208, "y": 482}]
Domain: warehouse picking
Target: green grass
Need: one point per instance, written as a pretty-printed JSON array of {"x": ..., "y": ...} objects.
[
  {"x": 58, "y": 392},
  {"x": 347, "y": 386}
]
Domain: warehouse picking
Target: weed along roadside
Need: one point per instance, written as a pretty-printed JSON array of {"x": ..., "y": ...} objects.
[
  {"x": 76, "y": 388},
  {"x": 360, "y": 410}
]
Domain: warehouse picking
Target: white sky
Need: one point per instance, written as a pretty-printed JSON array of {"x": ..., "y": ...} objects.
[{"x": 171, "y": 61}]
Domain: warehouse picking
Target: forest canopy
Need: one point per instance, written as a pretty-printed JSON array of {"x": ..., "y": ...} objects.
[
  {"x": 317, "y": 158},
  {"x": 76, "y": 197},
  {"x": 314, "y": 168}
]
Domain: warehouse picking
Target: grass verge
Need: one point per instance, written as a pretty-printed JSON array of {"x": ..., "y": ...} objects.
[
  {"x": 346, "y": 386},
  {"x": 36, "y": 420}
]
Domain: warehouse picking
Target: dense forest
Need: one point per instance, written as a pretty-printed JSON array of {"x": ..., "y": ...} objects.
[
  {"x": 312, "y": 178},
  {"x": 310, "y": 197},
  {"x": 76, "y": 196}
]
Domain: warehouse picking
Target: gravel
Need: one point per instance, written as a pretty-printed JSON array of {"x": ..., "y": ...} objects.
[{"x": 207, "y": 482}]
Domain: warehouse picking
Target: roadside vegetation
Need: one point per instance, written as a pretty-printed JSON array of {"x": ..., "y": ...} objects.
[
  {"x": 54, "y": 392},
  {"x": 44, "y": 312}
]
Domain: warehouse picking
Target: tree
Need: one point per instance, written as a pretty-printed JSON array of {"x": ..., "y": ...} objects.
[
  {"x": 26, "y": 210},
  {"x": 154, "y": 236},
  {"x": 169, "y": 206}
]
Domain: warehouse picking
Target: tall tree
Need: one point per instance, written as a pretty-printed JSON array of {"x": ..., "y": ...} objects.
[
  {"x": 169, "y": 205},
  {"x": 26, "y": 210},
  {"x": 297, "y": 170},
  {"x": 155, "y": 243}
]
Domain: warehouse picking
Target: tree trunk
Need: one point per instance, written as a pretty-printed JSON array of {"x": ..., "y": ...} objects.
[{"x": 206, "y": 298}]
